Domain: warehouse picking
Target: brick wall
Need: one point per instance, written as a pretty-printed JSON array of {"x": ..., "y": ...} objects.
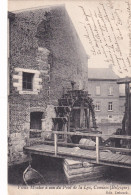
[{"x": 45, "y": 43}]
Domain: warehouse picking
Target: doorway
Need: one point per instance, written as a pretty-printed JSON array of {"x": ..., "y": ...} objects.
[{"x": 35, "y": 120}]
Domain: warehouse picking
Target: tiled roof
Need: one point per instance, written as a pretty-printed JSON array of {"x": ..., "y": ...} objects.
[{"x": 102, "y": 73}]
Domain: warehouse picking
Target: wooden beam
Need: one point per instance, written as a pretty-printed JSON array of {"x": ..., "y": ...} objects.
[
  {"x": 55, "y": 142},
  {"x": 77, "y": 107},
  {"x": 87, "y": 134},
  {"x": 61, "y": 106},
  {"x": 59, "y": 143},
  {"x": 74, "y": 157},
  {"x": 97, "y": 150},
  {"x": 65, "y": 130},
  {"x": 92, "y": 134},
  {"x": 81, "y": 116}
]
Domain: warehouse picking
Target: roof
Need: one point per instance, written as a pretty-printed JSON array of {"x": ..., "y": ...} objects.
[
  {"x": 102, "y": 74},
  {"x": 124, "y": 80},
  {"x": 11, "y": 15},
  {"x": 45, "y": 7}
]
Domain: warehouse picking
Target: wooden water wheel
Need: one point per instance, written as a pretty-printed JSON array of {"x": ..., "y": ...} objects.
[{"x": 75, "y": 112}]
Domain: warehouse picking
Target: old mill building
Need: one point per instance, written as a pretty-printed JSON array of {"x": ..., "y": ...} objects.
[{"x": 46, "y": 57}]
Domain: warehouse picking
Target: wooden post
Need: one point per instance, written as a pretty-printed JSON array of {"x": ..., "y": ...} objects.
[
  {"x": 97, "y": 150},
  {"x": 56, "y": 148},
  {"x": 65, "y": 130},
  {"x": 81, "y": 116}
]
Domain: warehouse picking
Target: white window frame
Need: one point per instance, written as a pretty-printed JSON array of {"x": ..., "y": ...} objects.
[
  {"x": 97, "y": 107},
  {"x": 37, "y": 86}
]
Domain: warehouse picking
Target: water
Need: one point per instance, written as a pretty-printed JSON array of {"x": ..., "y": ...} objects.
[
  {"x": 53, "y": 173},
  {"x": 50, "y": 168}
]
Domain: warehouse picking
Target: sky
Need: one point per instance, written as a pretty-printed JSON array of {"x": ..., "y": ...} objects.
[{"x": 120, "y": 11}]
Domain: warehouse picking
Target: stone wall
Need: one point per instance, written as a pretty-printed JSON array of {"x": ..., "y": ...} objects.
[{"x": 45, "y": 43}]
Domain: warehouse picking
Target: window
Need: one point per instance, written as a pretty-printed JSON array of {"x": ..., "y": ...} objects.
[
  {"x": 28, "y": 81},
  {"x": 122, "y": 90},
  {"x": 110, "y": 106},
  {"x": 97, "y": 106},
  {"x": 110, "y": 90},
  {"x": 98, "y": 91}
]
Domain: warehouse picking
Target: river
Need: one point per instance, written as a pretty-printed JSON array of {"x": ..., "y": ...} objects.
[{"x": 53, "y": 173}]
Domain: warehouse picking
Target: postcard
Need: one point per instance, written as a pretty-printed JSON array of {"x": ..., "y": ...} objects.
[{"x": 69, "y": 97}]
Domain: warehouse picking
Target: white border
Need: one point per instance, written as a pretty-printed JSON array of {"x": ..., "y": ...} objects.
[{"x": 3, "y": 97}]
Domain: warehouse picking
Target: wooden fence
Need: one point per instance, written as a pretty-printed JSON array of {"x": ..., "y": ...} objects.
[{"x": 97, "y": 137}]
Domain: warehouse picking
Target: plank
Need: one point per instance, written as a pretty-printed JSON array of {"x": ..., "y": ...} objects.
[
  {"x": 97, "y": 150},
  {"x": 128, "y": 166},
  {"x": 76, "y": 153},
  {"x": 113, "y": 158},
  {"x": 93, "y": 135},
  {"x": 125, "y": 158},
  {"x": 73, "y": 163},
  {"x": 87, "y": 164},
  {"x": 78, "y": 170},
  {"x": 82, "y": 175},
  {"x": 119, "y": 160},
  {"x": 64, "y": 152},
  {"x": 105, "y": 156},
  {"x": 128, "y": 162},
  {"x": 76, "y": 181}
]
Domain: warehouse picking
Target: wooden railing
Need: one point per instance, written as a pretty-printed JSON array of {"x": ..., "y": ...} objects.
[{"x": 97, "y": 137}]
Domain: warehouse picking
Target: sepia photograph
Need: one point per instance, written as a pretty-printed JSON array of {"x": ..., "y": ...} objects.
[{"x": 69, "y": 96}]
